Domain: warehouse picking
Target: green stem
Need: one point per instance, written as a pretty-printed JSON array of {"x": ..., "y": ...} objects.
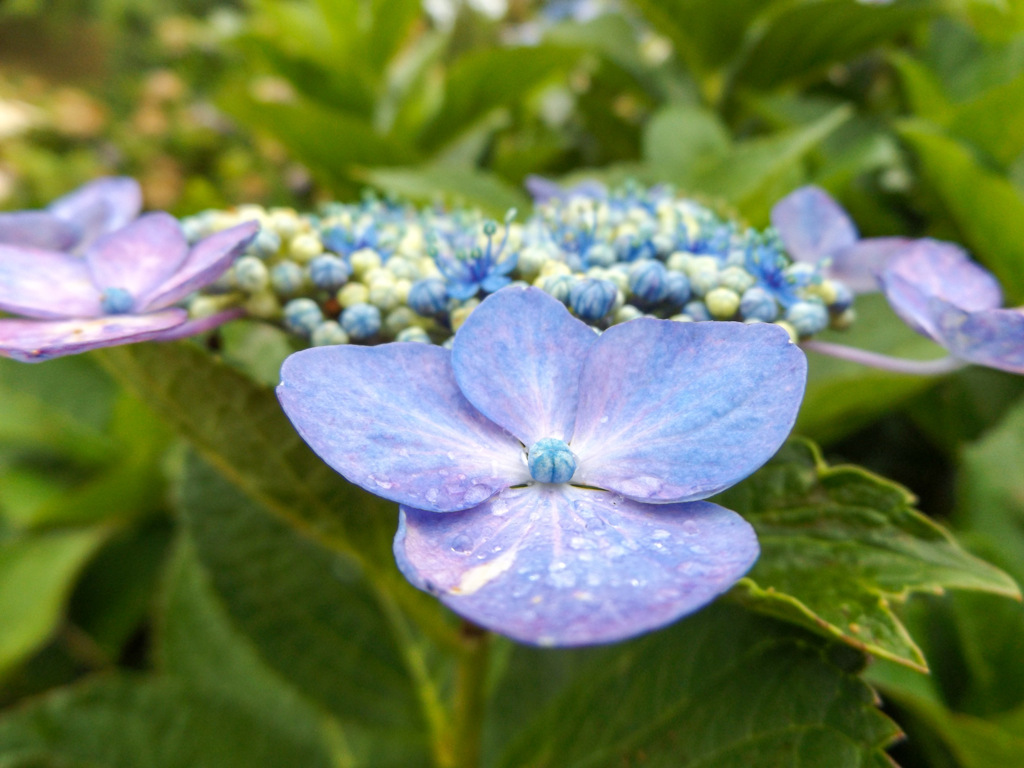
[{"x": 470, "y": 697}]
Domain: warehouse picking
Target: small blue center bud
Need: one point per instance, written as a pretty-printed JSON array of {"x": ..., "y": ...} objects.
[
  {"x": 428, "y": 297},
  {"x": 592, "y": 299},
  {"x": 551, "y": 461},
  {"x": 329, "y": 272},
  {"x": 648, "y": 280},
  {"x": 116, "y": 301}
]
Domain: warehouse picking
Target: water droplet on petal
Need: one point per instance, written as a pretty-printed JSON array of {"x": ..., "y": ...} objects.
[{"x": 462, "y": 544}]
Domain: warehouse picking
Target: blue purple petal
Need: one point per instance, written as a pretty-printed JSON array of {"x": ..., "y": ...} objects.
[
  {"x": 812, "y": 225},
  {"x": 99, "y": 207},
  {"x": 138, "y": 257},
  {"x": 392, "y": 420},
  {"x": 207, "y": 261},
  {"x": 37, "y": 229},
  {"x": 517, "y": 359},
  {"x": 929, "y": 269},
  {"x": 992, "y": 337},
  {"x": 564, "y": 566},
  {"x": 46, "y": 284},
  {"x": 34, "y": 340},
  {"x": 679, "y": 411},
  {"x": 199, "y": 325},
  {"x": 858, "y": 266}
]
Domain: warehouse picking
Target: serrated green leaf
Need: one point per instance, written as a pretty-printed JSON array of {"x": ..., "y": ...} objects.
[
  {"x": 842, "y": 396},
  {"x": 37, "y": 572},
  {"x": 985, "y": 206},
  {"x": 804, "y": 38},
  {"x": 486, "y": 79},
  {"x": 840, "y": 546},
  {"x": 755, "y": 174},
  {"x": 149, "y": 723},
  {"x": 721, "y": 689},
  {"x": 455, "y": 186}
]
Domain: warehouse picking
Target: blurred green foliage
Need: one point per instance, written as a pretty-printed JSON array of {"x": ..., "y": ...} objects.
[{"x": 121, "y": 550}]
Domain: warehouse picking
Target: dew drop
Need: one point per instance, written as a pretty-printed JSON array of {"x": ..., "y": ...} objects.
[{"x": 461, "y": 544}]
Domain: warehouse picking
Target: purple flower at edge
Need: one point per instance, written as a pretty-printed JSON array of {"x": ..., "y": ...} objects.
[
  {"x": 937, "y": 290},
  {"x": 551, "y": 480},
  {"x": 120, "y": 290},
  {"x": 75, "y": 221},
  {"x": 814, "y": 228}
]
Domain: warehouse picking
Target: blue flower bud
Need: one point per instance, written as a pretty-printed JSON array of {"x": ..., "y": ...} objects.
[
  {"x": 329, "y": 272},
  {"x": 413, "y": 333},
  {"x": 678, "y": 288},
  {"x": 697, "y": 310},
  {"x": 807, "y": 317},
  {"x": 286, "y": 278},
  {"x": 758, "y": 304},
  {"x": 361, "y": 321},
  {"x": 116, "y": 301},
  {"x": 558, "y": 286},
  {"x": 592, "y": 299},
  {"x": 428, "y": 297},
  {"x": 648, "y": 281},
  {"x": 551, "y": 461},
  {"x": 251, "y": 275},
  {"x": 329, "y": 333},
  {"x": 266, "y": 243},
  {"x": 600, "y": 255},
  {"x": 302, "y": 316},
  {"x": 843, "y": 298}
]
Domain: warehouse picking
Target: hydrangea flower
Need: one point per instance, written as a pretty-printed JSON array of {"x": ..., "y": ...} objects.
[
  {"x": 814, "y": 228},
  {"x": 74, "y": 222},
  {"x": 551, "y": 480},
  {"x": 121, "y": 289},
  {"x": 940, "y": 293}
]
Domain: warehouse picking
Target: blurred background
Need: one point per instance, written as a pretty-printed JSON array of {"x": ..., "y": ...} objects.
[{"x": 911, "y": 113}]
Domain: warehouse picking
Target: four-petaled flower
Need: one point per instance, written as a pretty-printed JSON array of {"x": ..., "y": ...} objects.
[
  {"x": 940, "y": 293},
  {"x": 74, "y": 222},
  {"x": 814, "y": 228},
  {"x": 551, "y": 479},
  {"x": 120, "y": 290}
]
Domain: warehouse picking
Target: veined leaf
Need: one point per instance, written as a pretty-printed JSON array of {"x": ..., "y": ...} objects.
[{"x": 840, "y": 546}]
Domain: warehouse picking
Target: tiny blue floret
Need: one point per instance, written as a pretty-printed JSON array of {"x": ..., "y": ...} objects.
[
  {"x": 302, "y": 316},
  {"x": 551, "y": 461},
  {"x": 116, "y": 301},
  {"x": 286, "y": 278},
  {"x": 678, "y": 292},
  {"x": 758, "y": 304},
  {"x": 807, "y": 317}
]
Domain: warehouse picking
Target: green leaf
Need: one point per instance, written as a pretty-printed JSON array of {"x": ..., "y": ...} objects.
[
  {"x": 239, "y": 427},
  {"x": 201, "y": 644},
  {"x": 805, "y": 38},
  {"x": 332, "y": 143},
  {"x": 840, "y": 546},
  {"x": 63, "y": 406},
  {"x": 759, "y": 171},
  {"x": 993, "y": 121},
  {"x": 922, "y": 88},
  {"x": 455, "y": 186},
  {"x": 680, "y": 140},
  {"x": 722, "y": 689},
  {"x": 985, "y": 206},
  {"x": 310, "y": 612},
  {"x": 37, "y": 572},
  {"x": 149, "y": 723},
  {"x": 842, "y": 396},
  {"x": 486, "y": 79},
  {"x": 704, "y": 36},
  {"x": 990, "y": 499}
]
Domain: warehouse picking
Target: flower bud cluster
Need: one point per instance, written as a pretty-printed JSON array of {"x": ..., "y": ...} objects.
[{"x": 379, "y": 270}]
